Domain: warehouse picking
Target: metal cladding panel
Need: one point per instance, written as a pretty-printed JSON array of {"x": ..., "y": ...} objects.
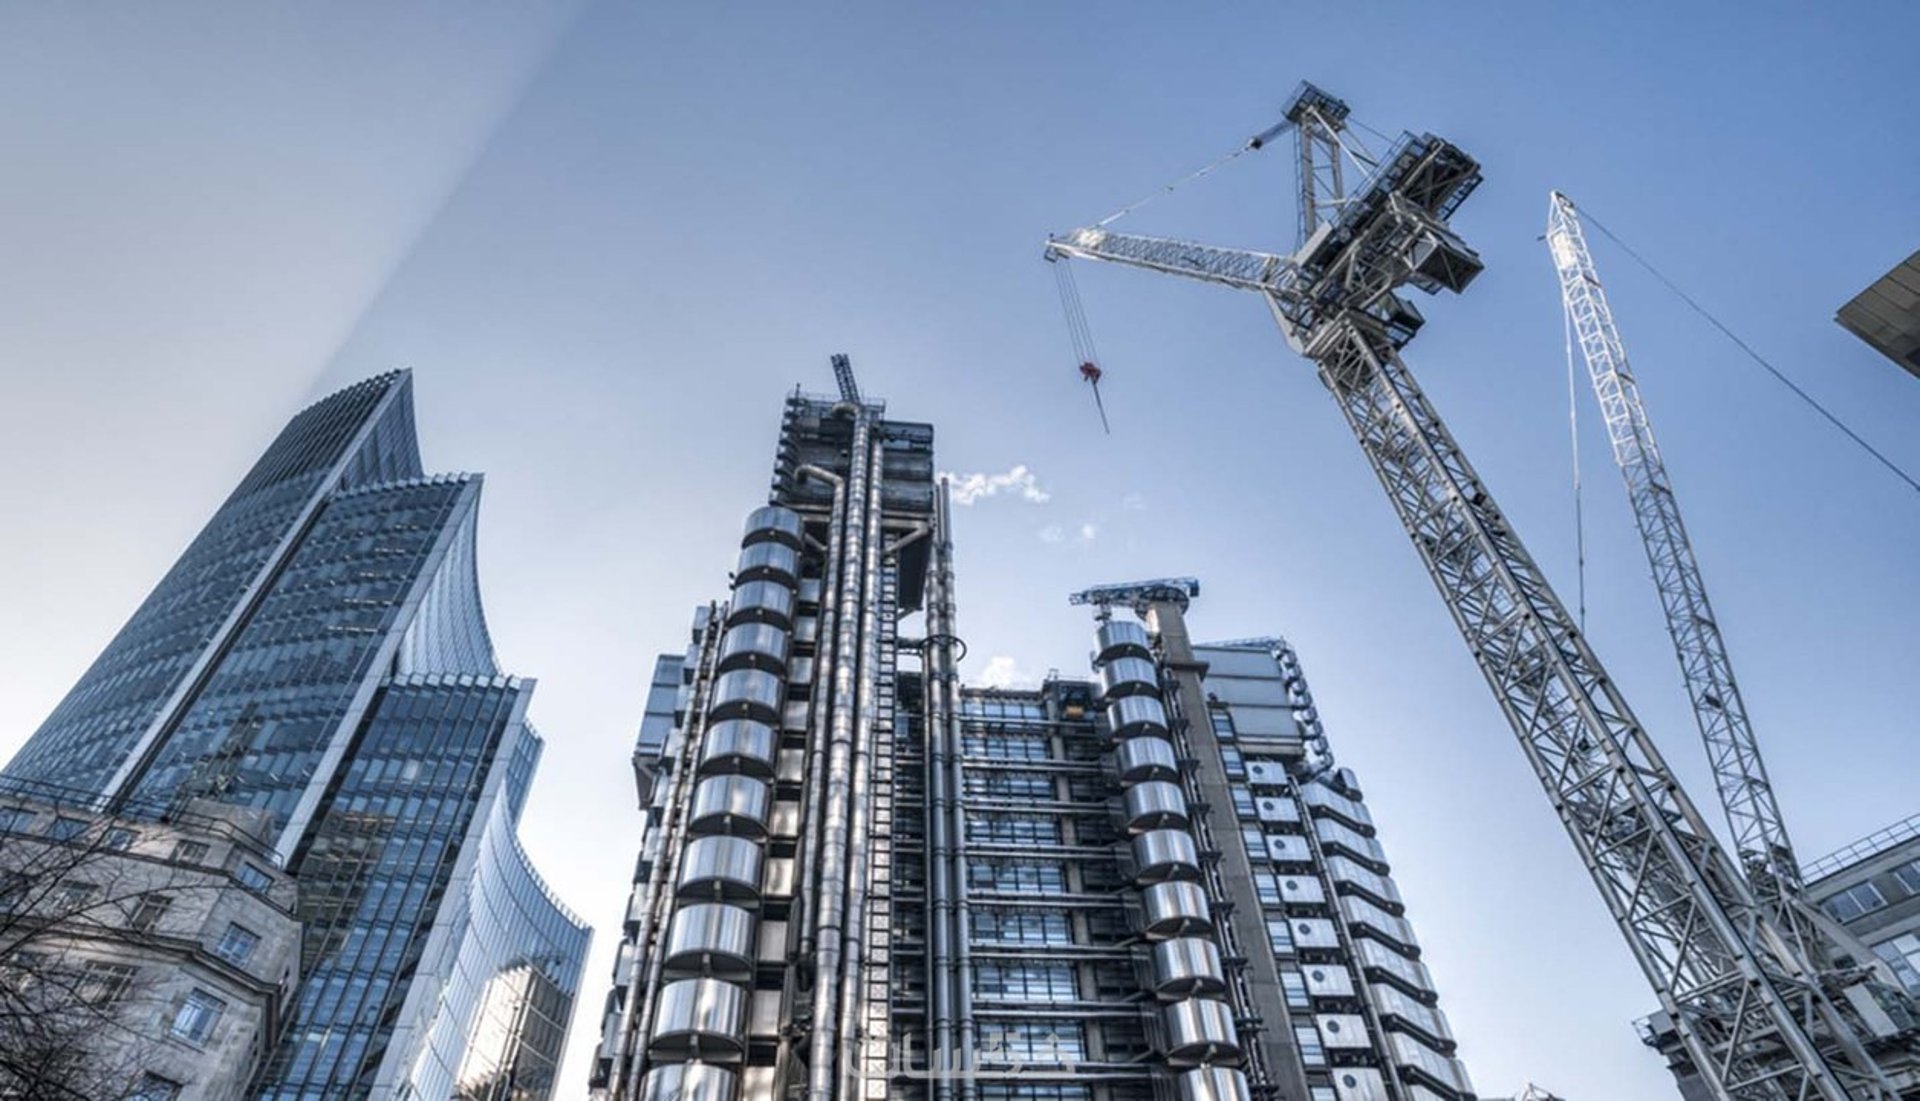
[
  {"x": 1155, "y": 804},
  {"x": 1129, "y": 677},
  {"x": 1165, "y": 854},
  {"x": 1322, "y": 797},
  {"x": 769, "y": 561},
  {"x": 1267, "y": 773},
  {"x": 1328, "y": 981},
  {"x": 1342, "y": 1030},
  {"x": 755, "y": 646},
  {"x": 1214, "y": 1084},
  {"x": 1287, "y": 848},
  {"x": 712, "y": 939},
  {"x": 1146, "y": 758},
  {"x": 1411, "y": 1051},
  {"x": 1276, "y": 808},
  {"x": 774, "y": 522},
  {"x": 1123, "y": 638},
  {"x": 1225, "y": 663},
  {"x": 1134, "y": 716},
  {"x": 735, "y": 804},
  {"x": 1187, "y": 966},
  {"x": 748, "y": 694},
  {"x": 1314, "y": 933},
  {"x": 738, "y": 745},
  {"x": 1267, "y": 691},
  {"x": 761, "y": 602},
  {"x": 1302, "y": 889},
  {"x": 689, "y": 1082},
  {"x": 721, "y": 868},
  {"x": 700, "y": 1018},
  {"x": 1264, "y": 723},
  {"x": 1175, "y": 908},
  {"x": 1200, "y": 1030},
  {"x": 1359, "y": 1084}
]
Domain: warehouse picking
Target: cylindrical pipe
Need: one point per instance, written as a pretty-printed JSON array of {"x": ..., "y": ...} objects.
[
  {"x": 965, "y": 1033},
  {"x": 935, "y": 670},
  {"x": 830, "y": 917},
  {"x": 819, "y": 713},
  {"x": 854, "y": 933}
]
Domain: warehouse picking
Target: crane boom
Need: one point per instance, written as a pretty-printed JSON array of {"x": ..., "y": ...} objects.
[
  {"x": 1753, "y": 814},
  {"x": 1751, "y": 1014}
]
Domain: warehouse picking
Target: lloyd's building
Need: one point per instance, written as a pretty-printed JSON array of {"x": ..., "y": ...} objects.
[{"x": 859, "y": 878}]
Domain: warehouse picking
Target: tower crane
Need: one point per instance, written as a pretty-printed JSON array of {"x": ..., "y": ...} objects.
[
  {"x": 1750, "y": 1009},
  {"x": 1753, "y": 814}
]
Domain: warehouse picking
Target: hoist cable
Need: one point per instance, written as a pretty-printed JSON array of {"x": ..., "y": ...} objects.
[
  {"x": 1573, "y": 432},
  {"x": 1778, "y": 375},
  {"x": 1182, "y": 181}
]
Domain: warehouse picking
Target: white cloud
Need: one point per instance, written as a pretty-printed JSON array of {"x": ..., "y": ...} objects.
[
  {"x": 968, "y": 488},
  {"x": 1003, "y": 671},
  {"x": 1134, "y": 502},
  {"x": 1055, "y": 535}
]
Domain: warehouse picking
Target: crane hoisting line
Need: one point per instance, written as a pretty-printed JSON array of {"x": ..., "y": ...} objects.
[
  {"x": 1258, "y": 141},
  {"x": 1080, "y": 333},
  {"x": 1779, "y": 376},
  {"x": 1573, "y": 431}
]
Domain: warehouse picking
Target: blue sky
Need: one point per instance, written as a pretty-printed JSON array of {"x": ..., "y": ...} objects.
[{"x": 608, "y": 237}]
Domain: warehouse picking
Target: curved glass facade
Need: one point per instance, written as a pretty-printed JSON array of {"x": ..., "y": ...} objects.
[
  {"x": 361, "y": 434},
  {"x": 320, "y": 653}
]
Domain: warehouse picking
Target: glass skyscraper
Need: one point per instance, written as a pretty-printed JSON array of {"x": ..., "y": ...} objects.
[
  {"x": 319, "y": 653},
  {"x": 861, "y": 879}
]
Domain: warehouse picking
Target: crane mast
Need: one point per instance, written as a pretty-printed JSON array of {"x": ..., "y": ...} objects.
[
  {"x": 1751, "y": 1013},
  {"x": 1753, "y": 814}
]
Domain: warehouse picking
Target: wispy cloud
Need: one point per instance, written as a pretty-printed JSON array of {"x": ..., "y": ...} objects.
[
  {"x": 1003, "y": 671},
  {"x": 1134, "y": 502},
  {"x": 968, "y": 488},
  {"x": 1057, "y": 535}
]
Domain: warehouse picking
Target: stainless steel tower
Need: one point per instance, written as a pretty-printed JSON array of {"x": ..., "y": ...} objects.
[{"x": 861, "y": 879}]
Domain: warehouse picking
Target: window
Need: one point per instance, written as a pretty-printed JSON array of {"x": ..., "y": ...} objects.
[
  {"x": 1024, "y": 982},
  {"x": 1033, "y": 1091},
  {"x": 1295, "y": 984},
  {"x": 1902, "y": 953},
  {"x": 237, "y": 944},
  {"x": 1267, "y": 886},
  {"x": 15, "y": 820},
  {"x": 1022, "y": 785},
  {"x": 1909, "y": 876},
  {"x": 190, "y": 852},
  {"x": 197, "y": 1017},
  {"x": 120, "y": 838},
  {"x": 102, "y": 983},
  {"x": 1042, "y": 1040},
  {"x": 1280, "y": 935},
  {"x": 1020, "y": 876},
  {"x": 66, "y": 829},
  {"x": 155, "y": 1088},
  {"x": 1854, "y": 901},
  {"x": 1014, "y": 829},
  {"x": 74, "y": 894},
  {"x": 252, "y": 878},
  {"x": 1001, "y": 746},
  {"x": 1243, "y": 802},
  {"x": 1307, "y": 1039},
  {"x": 148, "y": 910},
  {"x": 1231, "y": 760},
  {"x": 994, "y": 925}
]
